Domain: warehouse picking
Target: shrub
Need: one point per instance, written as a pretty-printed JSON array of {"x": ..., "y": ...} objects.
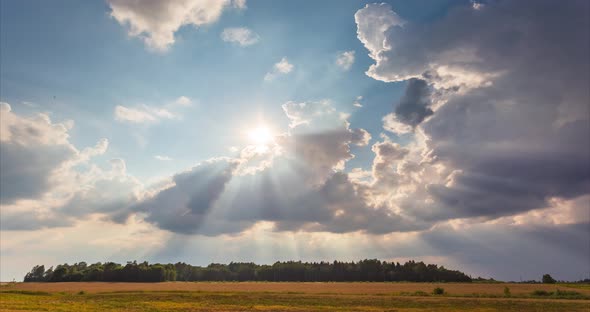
[
  {"x": 506, "y": 291},
  {"x": 542, "y": 293},
  {"x": 559, "y": 294},
  {"x": 81, "y": 292},
  {"x": 567, "y": 294},
  {"x": 438, "y": 291}
]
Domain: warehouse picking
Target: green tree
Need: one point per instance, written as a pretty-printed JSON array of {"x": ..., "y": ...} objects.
[{"x": 547, "y": 279}]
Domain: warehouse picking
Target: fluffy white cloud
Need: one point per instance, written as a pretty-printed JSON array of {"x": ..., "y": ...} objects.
[
  {"x": 281, "y": 68},
  {"x": 240, "y": 35},
  {"x": 33, "y": 148},
  {"x": 372, "y": 23},
  {"x": 47, "y": 181},
  {"x": 345, "y": 60},
  {"x": 156, "y": 21}
]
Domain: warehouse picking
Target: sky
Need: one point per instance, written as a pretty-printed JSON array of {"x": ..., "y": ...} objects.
[{"x": 449, "y": 132}]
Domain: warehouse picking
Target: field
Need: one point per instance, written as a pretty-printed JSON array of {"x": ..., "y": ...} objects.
[{"x": 259, "y": 296}]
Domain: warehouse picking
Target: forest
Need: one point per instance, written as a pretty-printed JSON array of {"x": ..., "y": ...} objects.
[{"x": 294, "y": 271}]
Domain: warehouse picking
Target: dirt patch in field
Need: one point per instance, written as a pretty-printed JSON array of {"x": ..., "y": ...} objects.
[{"x": 308, "y": 288}]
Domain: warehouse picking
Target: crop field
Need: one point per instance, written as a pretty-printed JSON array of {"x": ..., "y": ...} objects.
[{"x": 266, "y": 296}]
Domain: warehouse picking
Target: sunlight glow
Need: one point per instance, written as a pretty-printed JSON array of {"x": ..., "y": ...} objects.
[{"x": 261, "y": 136}]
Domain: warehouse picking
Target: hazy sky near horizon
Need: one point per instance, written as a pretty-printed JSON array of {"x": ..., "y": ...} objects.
[{"x": 452, "y": 132}]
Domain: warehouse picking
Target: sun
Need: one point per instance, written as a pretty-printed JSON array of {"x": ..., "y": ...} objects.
[{"x": 261, "y": 136}]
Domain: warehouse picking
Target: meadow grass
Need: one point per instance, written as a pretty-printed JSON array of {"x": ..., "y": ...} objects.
[{"x": 15, "y": 300}]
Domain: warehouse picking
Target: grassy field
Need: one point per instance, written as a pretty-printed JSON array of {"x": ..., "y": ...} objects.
[{"x": 229, "y": 296}]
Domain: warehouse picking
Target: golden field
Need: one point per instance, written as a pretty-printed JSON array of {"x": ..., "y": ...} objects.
[{"x": 283, "y": 296}]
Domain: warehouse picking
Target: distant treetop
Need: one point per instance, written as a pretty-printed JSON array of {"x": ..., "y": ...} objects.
[{"x": 296, "y": 271}]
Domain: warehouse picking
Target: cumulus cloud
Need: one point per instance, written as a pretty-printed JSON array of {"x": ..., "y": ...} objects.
[
  {"x": 156, "y": 21},
  {"x": 151, "y": 114},
  {"x": 33, "y": 148},
  {"x": 320, "y": 136},
  {"x": 345, "y": 60},
  {"x": 240, "y": 35},
  {"x": 283, "y": 67},
  {"x": 372, "y": 23},
  {"x": 495, "y": 105},
  {"x": 47, "y": 181}
]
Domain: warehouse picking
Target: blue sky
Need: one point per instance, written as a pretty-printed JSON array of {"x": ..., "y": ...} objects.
[{"x": 138, "y": 119}]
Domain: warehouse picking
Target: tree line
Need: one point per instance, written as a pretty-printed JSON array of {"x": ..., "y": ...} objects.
[{"x": 293, "y": 271}]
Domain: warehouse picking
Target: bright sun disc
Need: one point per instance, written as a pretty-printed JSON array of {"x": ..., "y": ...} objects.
[{"x": 260, "y": 135}]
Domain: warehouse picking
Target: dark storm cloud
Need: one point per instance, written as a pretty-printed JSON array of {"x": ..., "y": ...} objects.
[
  {"x": 184, "y": 206},
  {"x": 25, "y": 171},
  {"x": 413, "y": 107},
  {"x": 511, "y": 80}
]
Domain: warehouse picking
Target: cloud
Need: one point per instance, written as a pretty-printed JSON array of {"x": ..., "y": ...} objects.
[
  {"x": 372, "y": 22},
  {"x": 320, "y": 137},
  {"x": 184, "y": 101},
  {"x": 156, "y": 21},
  {"x": 33, "y": 148},
  {"x": 240, "y": 4},
  {"x": 47, "y": 181},
  {"x": 137, "y": 115},
  {"x": 163, "y": 158},
  {"x": 151, "y": 114},
  {"x": 477, "y": 5},
  {"x": 297, "y": 183},
  {"x": 414, "y": 106},
  {"x": 183, "y": 206},
  {"x": 345, "y": 60},
  {"x": 357, "y": 102},
  {"x": 477, "y": 248},
  {"x": 303, "y": 113},
  {"x": 240, "y": 35},
  {"x": 392, "y": 124},
  {"x": 496, "y": 109},
  {"x": 283, "y": 67}
]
